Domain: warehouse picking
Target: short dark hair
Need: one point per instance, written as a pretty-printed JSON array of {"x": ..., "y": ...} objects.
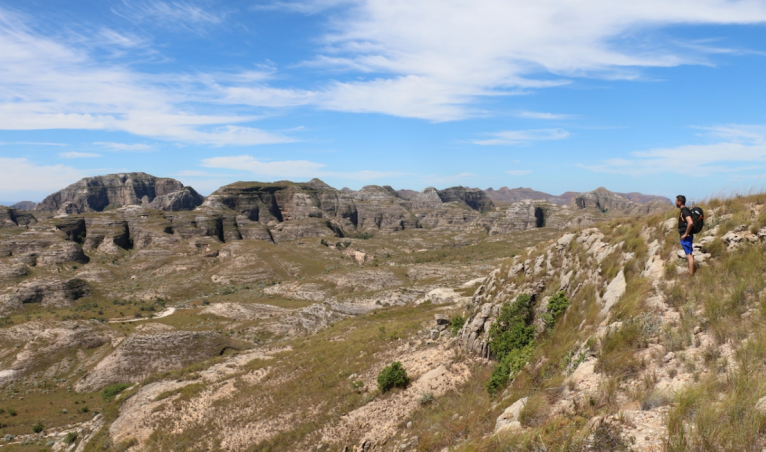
[{"x": 681, "y": 198}]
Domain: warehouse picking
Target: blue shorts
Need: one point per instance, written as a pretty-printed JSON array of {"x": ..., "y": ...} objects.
[{"x": 687, "y": 244}]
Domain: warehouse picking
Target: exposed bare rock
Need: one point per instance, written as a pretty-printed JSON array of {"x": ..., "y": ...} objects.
[
  {"x": 13, "y": 271},
  {"x": 95, "y": 194},
  {"x": 10, "y": 217},
  {"x": 61, "y": 253},
  {"x": 509, "y": 420},
  {"x": 46, "y": 291},
  {"x": 148, "y": 352},
  {"x": 473, "y": 197},
  {"x": 531, "y": 214},
  {"x": 44, "y": 342},
  {"x": 607, "y": 201},
  {"x": 184, "y": 199}
]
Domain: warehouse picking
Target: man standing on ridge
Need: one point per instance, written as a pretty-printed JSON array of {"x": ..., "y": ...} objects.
[{"x": 685, "y": 223}]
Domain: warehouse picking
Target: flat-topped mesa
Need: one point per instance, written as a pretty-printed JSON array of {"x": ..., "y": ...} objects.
[{"x": 99, "y": 193}]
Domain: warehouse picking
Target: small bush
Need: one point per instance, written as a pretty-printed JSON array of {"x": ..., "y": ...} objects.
[
  {"x": 37, "y": 428},
  {"x": 607, "y": 437},
  {"x": 111, "y": 391},
  {"x": 12, "y": 412},
  {"x": 393, "y": 376},
  {"x": 511, "y": 341},
  {"x": 426, "y": 398},
  {"x": 556, "y": 305},
  {"x": 70, "y": 438},
  {"x": 456, "y": 323}
]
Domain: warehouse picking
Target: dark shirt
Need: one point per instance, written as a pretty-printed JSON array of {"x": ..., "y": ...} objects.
[{"x": 685, "y": 212}]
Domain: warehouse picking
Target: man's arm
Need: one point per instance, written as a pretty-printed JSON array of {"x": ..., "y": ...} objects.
[{"x": 689, "y": 226}]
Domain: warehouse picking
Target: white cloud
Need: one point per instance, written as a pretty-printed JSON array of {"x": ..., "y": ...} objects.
[
  {"x": 19, "y": 174},
  {"x": 34, "y": 143},
  {"x": 746, "y": 150},
  {"x": 520, "y": 137},
  {"x": 454, "y": 53},
  {"x": 124, "y": 146},
  {"x": 79, "y": 155},
  {"x": 291, "y": 169},
  {"x": 518, "y": 172},
  {"x": 177, "y": 13},
  {"x": 541, "y": 115},
  {"x": 49, "y": 84}
]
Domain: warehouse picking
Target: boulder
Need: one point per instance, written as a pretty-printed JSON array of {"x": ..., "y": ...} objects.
[{"x": 509, "y": 420}]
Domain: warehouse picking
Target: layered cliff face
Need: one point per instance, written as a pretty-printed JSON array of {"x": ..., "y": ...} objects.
[
  {"x": 95, "y": 194},
  {"x": 317, "y": 206}
]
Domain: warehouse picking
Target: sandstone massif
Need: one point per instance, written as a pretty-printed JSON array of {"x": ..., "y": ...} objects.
[{"x": 95, "y": 194}]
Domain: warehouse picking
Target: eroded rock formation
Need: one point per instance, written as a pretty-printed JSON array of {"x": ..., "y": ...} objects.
[{"x": 95, "y": 194}]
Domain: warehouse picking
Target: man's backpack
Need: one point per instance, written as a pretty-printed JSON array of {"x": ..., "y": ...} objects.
[{"x": 698, "y": 217}]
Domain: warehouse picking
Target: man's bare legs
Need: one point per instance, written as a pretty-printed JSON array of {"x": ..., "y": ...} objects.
[{"x": 690, "y": 260}]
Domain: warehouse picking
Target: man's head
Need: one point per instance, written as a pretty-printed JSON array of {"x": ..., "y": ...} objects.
[{"x": 680, "y": 201}]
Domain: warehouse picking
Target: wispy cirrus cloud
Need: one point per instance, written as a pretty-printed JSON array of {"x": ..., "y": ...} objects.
[
  {"x": 49, "y": 84},
  {"x": 744, "y": 150},
  {"x": 450, "y": 55},
  {"x": 179, "y": 13},
  {"x": 33, "y": 143},
  {"x": 79, "y": 155},
  {"x": 522, "y": 137},
  {"x": 140, "y": 147},
  {"x": 290, "y": 169},
  {"x": 542, "y": 115}
]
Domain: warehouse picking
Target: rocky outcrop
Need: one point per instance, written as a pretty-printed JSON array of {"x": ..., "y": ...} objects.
[
  {"x": 607, "y": 201},
  {"x": 532, "y": 214},
  {"x": 43, "y": 343},
  {"x": 603, "y": 200},
  {"x": 472, "y": 197},
  {"x": 95, "y": 194},
  {"x": 46, "y": 291},
  {"x": 184, "y": 199},
  {"x": 10, "y": 217},
  {"x": 153, "y": 349}
]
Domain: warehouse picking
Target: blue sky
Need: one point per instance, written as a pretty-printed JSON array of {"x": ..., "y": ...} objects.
[{"x": 652, "y": 96}]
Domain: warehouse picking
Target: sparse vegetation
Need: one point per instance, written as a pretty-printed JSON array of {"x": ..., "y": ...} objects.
[{"x": 111, "y": 391}]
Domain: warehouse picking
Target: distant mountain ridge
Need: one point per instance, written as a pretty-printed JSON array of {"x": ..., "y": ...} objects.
[{"x": 510, "y": 195}]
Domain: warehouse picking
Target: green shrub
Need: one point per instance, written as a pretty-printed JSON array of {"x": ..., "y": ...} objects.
[
  {"x": 111, "y": 391},
  {"x": 37, "y": 428},
  {"x": 393, "y": 376},
  {"x": 511, "y": 340},
  {"x": 456, "y": 323},
  {"x": 70, "y": 438},
  {"x": 509, "y": 365},
  {"x": 556, "y": 305}
]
